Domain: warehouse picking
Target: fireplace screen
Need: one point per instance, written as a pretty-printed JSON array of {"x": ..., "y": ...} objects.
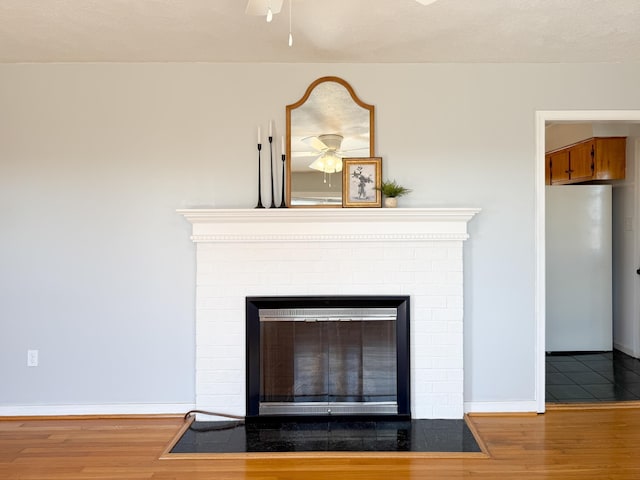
[{"x": 328, "y": 360}]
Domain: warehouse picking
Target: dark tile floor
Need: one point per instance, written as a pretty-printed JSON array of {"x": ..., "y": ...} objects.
[
  {"x": 592, "y": 377},
  {"x": 327, "y": 436}
]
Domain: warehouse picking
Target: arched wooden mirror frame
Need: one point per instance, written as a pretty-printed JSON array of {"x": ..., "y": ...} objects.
[{"x": 290, "y": 108}]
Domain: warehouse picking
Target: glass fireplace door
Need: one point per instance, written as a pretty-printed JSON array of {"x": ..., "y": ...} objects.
[{"x": 328, "y": 361}]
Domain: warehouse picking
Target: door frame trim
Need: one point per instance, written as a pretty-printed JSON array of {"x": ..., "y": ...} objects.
[{"x": 542, "y": 117}]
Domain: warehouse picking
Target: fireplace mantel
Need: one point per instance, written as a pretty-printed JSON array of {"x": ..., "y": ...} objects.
[
  {"x": 415, "y": 252},
  {"x": 302, "y": 224}
]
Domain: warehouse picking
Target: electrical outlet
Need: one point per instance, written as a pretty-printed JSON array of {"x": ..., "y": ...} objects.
[{"x": 32, "y": 358}]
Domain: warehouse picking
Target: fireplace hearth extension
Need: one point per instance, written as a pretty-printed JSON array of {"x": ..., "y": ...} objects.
[{"x": 327, "y": 356}]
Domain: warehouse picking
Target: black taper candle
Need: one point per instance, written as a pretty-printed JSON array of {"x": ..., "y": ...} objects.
[
  {"x": 259, "y": 205},
  {"x": 283, "y": 202},
  {"x": 273, "y": 199}
]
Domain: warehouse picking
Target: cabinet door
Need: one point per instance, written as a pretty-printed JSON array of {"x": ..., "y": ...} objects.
[
  {"x": 559, "y": 167},
  {"x": 610, "y": 158},
  {"x": 581, "y": 161}
]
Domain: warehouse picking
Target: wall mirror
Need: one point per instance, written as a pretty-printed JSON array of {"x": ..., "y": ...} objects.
[{"x": 328, "y": 123}]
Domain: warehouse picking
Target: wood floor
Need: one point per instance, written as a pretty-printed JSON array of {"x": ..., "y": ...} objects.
[{"x": 561, "y": 444}]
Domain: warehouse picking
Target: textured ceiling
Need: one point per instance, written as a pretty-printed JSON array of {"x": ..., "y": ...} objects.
[{"x": 324, "y": 31}]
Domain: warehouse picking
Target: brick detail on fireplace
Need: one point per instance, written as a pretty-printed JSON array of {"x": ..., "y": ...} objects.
[{"x": 414, "y": 252}]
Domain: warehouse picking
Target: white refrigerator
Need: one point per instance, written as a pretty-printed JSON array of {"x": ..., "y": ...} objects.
[{"x": 579, "y": 314}]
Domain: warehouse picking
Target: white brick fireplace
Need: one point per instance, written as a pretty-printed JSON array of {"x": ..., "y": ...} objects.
[{"x": 291, "y": 252}]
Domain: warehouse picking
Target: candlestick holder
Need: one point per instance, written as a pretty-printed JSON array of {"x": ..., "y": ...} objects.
[
  {"x": 273, "y": 199},
  {"x": 259, "y": 205},
  {"x": 283, "y": 202}
]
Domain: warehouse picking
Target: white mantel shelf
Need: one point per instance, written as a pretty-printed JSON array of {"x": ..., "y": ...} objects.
[{"x": 329, "y": 224}]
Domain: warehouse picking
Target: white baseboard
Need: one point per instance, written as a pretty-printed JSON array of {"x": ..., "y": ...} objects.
[
  {"x": 106, "y": 409},
  {"x": 528, "y": 406}
]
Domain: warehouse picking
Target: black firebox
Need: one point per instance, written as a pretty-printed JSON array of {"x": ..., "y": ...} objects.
[{"x": 318, "y": 356}]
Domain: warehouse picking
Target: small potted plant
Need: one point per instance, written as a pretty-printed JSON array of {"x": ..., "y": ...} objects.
[{"x": 391, "y": 191}]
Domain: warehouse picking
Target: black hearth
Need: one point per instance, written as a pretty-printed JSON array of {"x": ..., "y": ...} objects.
[{"x": 321, "y": 356}]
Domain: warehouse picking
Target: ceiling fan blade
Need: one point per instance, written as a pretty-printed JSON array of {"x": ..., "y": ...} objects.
[
  {"x": 260, "y": 7},
  {"x": 315, "y": 143},
  {"x": 305, "y": 154}
]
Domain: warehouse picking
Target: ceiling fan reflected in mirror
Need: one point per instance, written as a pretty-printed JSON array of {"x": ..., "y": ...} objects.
[{"x": 327, "y": 150}]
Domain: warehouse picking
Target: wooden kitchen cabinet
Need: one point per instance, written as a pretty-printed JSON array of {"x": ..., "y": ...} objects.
[
  {"x": 598, "y": 158},
  {"x": 558, "y": 167},
  {"x": 582, "y": 162}
]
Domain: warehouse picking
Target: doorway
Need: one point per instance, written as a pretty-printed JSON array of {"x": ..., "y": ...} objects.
[{"x": 542, "y": 119}]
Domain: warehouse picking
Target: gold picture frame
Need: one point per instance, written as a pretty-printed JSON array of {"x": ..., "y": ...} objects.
[{"x": 361, "y": 180}]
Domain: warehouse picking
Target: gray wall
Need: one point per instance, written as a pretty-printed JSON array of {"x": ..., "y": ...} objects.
[{"x": 97, "y": 269}]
